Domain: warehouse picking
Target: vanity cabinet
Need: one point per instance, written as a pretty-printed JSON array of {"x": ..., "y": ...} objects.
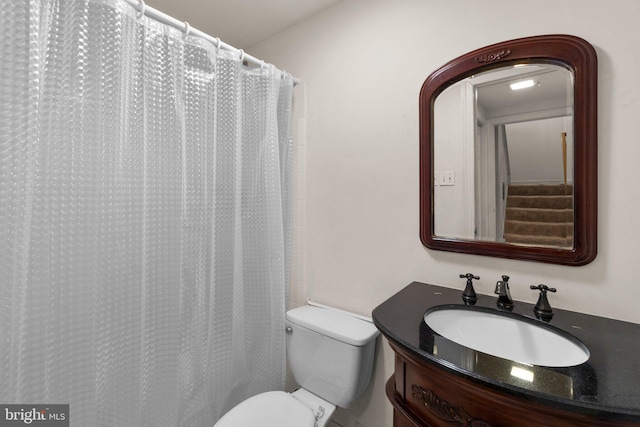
[
  {"x": 426, "y": 395},
  {"x": 440, "y": 383}
]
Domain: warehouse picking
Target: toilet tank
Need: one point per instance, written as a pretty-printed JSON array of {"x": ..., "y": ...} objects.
[{"x": 330, "y": 353}]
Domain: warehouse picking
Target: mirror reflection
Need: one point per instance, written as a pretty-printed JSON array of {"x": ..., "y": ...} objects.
[{"x": 503, "y": 157}]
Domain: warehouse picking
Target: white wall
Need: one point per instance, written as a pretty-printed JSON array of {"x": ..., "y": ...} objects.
[
  {"x": 363, "y": 63},
  {"x": 453, "y": 153},
  {"x": 535, "y": 150}
]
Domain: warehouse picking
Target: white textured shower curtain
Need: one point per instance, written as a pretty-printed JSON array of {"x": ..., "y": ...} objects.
[{"x": 145, "y": 217}]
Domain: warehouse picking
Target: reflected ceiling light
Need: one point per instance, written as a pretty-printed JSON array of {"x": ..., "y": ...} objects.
[
  {"x": 523, "y": 374},
  {"x": 522, "y": 84}
]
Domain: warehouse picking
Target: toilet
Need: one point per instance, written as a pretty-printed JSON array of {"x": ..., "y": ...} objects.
[{"x": 330, "y": 355}]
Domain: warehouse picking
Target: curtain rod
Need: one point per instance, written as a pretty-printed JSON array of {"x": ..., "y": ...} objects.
[{"x": 163, "y": 18}]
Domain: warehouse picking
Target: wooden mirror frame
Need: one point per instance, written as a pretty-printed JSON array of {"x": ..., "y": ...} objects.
[{"x": 571, "y": 52}]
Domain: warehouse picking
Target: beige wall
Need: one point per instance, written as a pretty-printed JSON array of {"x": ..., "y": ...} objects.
[{"x": 363, "y": 63}]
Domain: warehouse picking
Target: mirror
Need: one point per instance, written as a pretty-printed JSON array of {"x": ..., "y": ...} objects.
[{"x": 508, "y": 152}]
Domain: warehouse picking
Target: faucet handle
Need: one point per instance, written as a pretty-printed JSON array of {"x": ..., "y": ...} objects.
[
  {"x": 505, "y": 278},
  {"x": 543, "y": 309},
  {"x": 469, "y": 295},
  {"x": 543, "y": 288}
]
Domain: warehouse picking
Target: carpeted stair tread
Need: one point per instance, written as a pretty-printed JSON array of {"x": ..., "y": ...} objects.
[
  {"x": 539, "y": 215},
  {"x": 547, "y": 229},
  {"x": 540, "y": 202},
  {"x": 539, "y": 240},
  {"x": 540, "y": 189}
]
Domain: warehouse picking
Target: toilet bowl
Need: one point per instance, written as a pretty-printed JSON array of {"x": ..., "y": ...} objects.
[
  {"x": 330, "y": 354},
  {"x": 279, "y": 409}
]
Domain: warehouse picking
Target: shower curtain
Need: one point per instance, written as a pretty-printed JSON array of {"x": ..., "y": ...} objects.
[{"x": 145, "y": 217}]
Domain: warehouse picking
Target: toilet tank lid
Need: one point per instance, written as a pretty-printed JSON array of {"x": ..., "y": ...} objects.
[{"x": 334, "y": 324}]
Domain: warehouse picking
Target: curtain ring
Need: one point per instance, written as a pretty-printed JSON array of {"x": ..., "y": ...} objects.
[
  {"x": 241, "y": 55},
  {"x": 187, "y": 29},
  {"x": 141, "y": 9},
  {"x": 218, "y": 43},
  {"x": 262, "y": 64}
]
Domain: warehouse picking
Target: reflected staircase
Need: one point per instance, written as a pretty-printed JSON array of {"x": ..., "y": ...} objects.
[{"x": 539, "y": 215}]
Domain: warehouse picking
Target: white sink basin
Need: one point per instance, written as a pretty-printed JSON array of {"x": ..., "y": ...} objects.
[{"x": 506, "y": 335}]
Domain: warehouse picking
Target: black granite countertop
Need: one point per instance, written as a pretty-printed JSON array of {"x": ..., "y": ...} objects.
[{"x": 607, "y": 384}]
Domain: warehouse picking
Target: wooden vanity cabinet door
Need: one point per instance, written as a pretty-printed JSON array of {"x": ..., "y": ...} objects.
[
  {"x": 400, "y": 420},
  {"x": 438, "y": 400},
  {"x": 426, "y": 395}
]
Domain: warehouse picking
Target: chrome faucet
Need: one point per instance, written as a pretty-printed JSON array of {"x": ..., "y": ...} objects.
[{"x": 504, "y": 296}]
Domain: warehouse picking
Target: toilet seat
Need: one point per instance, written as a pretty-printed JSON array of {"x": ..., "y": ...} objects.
[{"x": 270, "y": 409}]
